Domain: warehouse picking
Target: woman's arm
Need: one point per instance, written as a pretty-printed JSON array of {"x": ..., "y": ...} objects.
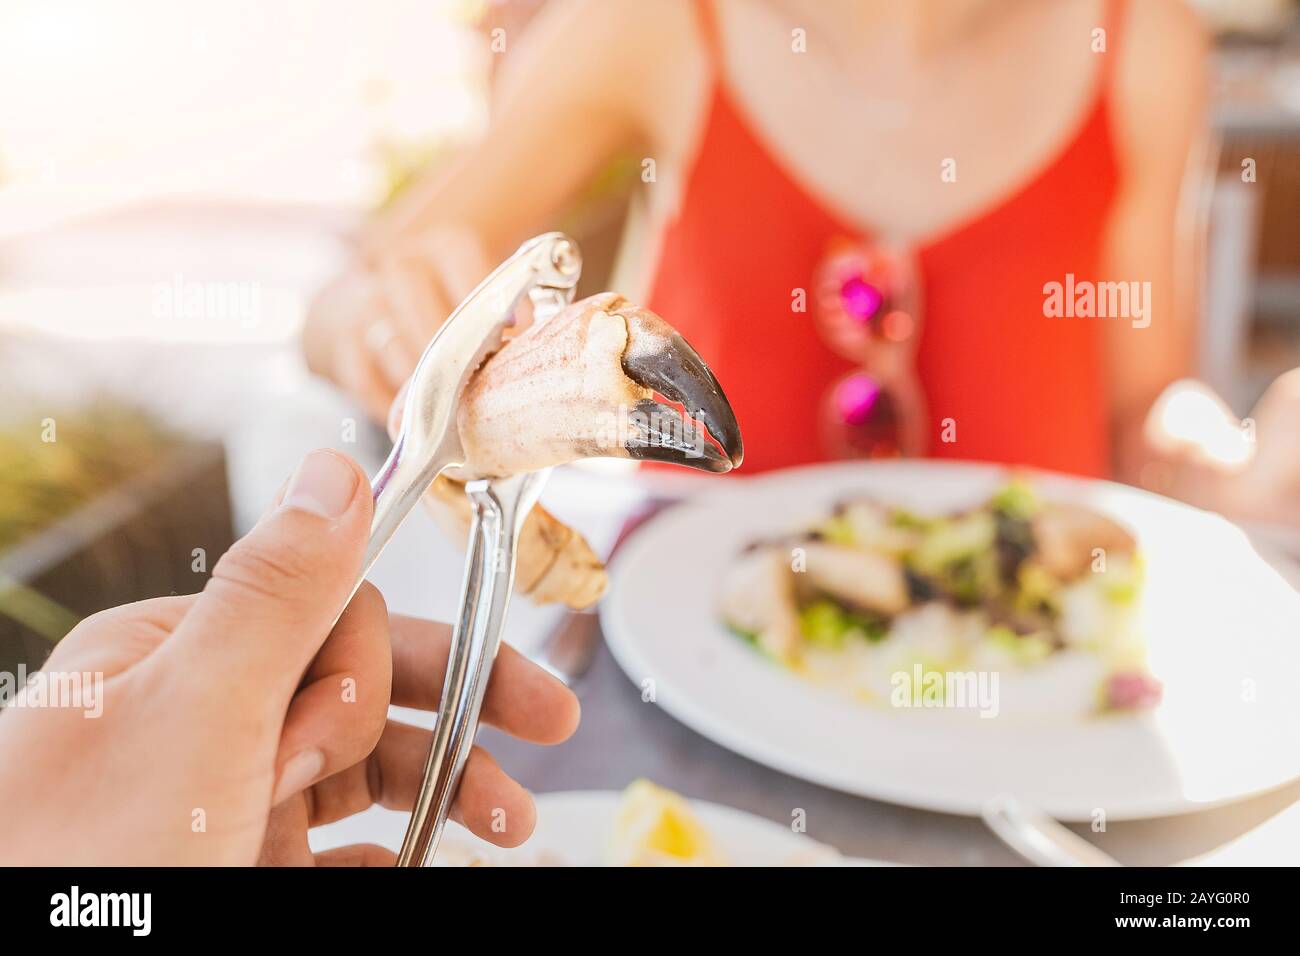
[
  {"x": 1196, "y": 447},
  {"x": 590, "y": 77},
  {"x": 566, "y": 99},
  {"x": 1158, "y": 120}
]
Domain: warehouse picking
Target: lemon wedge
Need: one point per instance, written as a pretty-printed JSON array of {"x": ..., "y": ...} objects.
[{"x": 655, "y": 827}]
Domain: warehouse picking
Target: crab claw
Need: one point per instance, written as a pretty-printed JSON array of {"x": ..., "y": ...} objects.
[
  {"x": 658, "y": 358},
  {"x": 582, "y": 384}
]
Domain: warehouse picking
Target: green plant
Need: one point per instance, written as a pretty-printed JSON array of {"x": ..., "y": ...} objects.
[{"x": 51, "y": 463}]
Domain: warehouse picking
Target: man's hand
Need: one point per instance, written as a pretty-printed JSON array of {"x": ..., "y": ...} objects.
[{"x": 219, "y": 707}]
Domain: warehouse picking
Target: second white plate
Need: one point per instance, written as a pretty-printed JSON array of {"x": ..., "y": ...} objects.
[{"x": 573, "y": 829}]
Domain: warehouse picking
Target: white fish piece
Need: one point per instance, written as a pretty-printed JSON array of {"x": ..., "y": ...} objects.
[
  {"x": 758, "y": 597},
  {"x": 857, "y": 576},
  {"x": 1067, "y": 537}
]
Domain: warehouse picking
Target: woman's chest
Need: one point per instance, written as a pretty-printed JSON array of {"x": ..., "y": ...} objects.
[{"x": 911, "y": 152}]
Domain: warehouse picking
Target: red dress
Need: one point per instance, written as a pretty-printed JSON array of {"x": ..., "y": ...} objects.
[{"x": 1022, "y": 388}]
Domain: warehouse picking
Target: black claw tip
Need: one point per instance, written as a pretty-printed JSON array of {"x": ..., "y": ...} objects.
[
  {"x": 660, "y": 433},
  {"x": 675, "y": 370},
  {"x": 711, "y": 462}
]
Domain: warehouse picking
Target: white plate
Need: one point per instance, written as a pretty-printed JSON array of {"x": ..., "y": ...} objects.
[
  {"x": 1223, "y": 627},
  {"x": 572, "y": 830}
]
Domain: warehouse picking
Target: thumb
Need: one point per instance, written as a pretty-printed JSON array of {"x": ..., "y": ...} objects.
[
  {"x": 275, "y": 595},
  {"x": 1276, "y": 473}
]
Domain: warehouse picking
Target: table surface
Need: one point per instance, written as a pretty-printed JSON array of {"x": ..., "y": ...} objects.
[{"x": 622, "y": 738}]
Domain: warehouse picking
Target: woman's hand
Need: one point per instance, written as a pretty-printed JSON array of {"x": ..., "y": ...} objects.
[
  {"x": 1248, "y": 469},
  {"x": 1269, "y": 488},
  {"x": 367, "y": 328},
  {"x": 227, "y": 722}
]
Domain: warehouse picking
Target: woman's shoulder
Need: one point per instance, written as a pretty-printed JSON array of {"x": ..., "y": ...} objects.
[
  {"x": 1164, "y": 36},
  {"x": 647, "y": 58},
  {"x": 1158, "y": 88},
  {"x": 641, "y": 35}
]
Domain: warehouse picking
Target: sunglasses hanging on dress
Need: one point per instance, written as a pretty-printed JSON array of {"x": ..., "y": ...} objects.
[{"x": 868, "y": 311}]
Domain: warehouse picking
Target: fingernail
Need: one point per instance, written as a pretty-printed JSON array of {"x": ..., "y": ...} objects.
[
  {"x": 324, "y": 485},
  {"x": 297, "y": 774}
]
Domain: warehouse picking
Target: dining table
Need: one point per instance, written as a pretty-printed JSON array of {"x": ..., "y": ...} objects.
[{"x": 269, "y": 412}]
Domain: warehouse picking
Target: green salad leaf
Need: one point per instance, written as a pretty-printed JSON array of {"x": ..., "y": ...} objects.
[
  {"x": 1016, "y": 499},
  {"x": 828, "y": 625}
]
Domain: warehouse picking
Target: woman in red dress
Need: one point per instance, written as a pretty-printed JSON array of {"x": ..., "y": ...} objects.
[{"x": 943, "y": 227}]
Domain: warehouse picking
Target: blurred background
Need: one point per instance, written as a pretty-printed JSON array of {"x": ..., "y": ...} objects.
[{"x": 178, "y": 179}]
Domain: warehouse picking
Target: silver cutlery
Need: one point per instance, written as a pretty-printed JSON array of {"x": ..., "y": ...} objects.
[
  {"x": 544, "y": 269},
  {"x": 1038, "y": 838}
]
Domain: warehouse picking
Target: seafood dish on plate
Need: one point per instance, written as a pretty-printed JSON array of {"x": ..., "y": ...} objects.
[{"x": 888, "y": 604}]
